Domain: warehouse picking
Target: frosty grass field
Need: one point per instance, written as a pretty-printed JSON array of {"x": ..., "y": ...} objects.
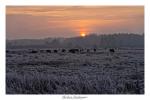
[{"x": 99, "y": 72}]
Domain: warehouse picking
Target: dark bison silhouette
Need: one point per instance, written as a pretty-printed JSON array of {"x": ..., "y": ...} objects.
[
  {"x": 112, "y": 50},
  {"x": 55, "y": 51},
  {"x": 63, "y": 50},
  {"x": 74, "y": 50},
  {"x": 48, "y": 51},
  {"x": 33, "y": 51},
  {"x": 94, "y": 50}
]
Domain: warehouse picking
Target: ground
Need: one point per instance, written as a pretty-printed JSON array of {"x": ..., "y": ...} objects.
[{"x": 100, "y": 72}]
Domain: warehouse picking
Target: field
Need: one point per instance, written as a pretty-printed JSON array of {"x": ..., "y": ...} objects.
[{"x": 100, "y": 72}]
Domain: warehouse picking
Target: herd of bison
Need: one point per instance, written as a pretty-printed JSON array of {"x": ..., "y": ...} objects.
[{"x": 111, "y": 50}]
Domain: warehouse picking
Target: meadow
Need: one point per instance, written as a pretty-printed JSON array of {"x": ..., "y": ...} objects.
[{"x": 92, "y": 72}]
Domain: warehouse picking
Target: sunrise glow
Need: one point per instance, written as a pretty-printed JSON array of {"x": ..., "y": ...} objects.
[
  {"x": 70, "y": 21},
  {"x": 82, "y": 34}
]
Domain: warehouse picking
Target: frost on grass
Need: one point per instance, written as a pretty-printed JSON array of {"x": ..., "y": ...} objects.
[{"x": 67, "y": 73}]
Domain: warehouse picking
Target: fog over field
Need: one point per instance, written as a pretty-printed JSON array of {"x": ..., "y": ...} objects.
[{"x": 117, "y": 40}]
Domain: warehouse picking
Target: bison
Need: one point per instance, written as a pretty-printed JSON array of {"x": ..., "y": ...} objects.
[
  {"x": 94, "y": 50},
  {"x": 34, "y": 51},
  {"x": 63, "y": 50},
  {"x": 48, "y": 51},
  {"x": 111, "y": 50},
  {"x": 74, "y": 50},
  {"x": 55, "y": 51}
]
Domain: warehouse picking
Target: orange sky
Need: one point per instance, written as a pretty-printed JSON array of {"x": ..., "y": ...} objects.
[{"x": 69, "y": 21}]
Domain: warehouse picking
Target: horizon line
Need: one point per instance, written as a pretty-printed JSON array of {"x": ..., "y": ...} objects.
[{"x": 94, "y": 34}]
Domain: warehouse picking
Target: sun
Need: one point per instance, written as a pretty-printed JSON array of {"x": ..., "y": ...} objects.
[{"x": 82, "y": 34}]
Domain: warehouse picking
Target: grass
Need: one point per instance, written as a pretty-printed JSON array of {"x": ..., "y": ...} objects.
[
  {"x": 104, "y": 73},
  {"x": 38, "y": 83}
]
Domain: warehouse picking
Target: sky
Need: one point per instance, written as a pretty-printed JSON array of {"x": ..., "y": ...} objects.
[{"x": 34, "y": 22}]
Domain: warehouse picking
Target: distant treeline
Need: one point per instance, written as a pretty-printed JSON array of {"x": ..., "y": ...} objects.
[{"x": 90, "y": 41}]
